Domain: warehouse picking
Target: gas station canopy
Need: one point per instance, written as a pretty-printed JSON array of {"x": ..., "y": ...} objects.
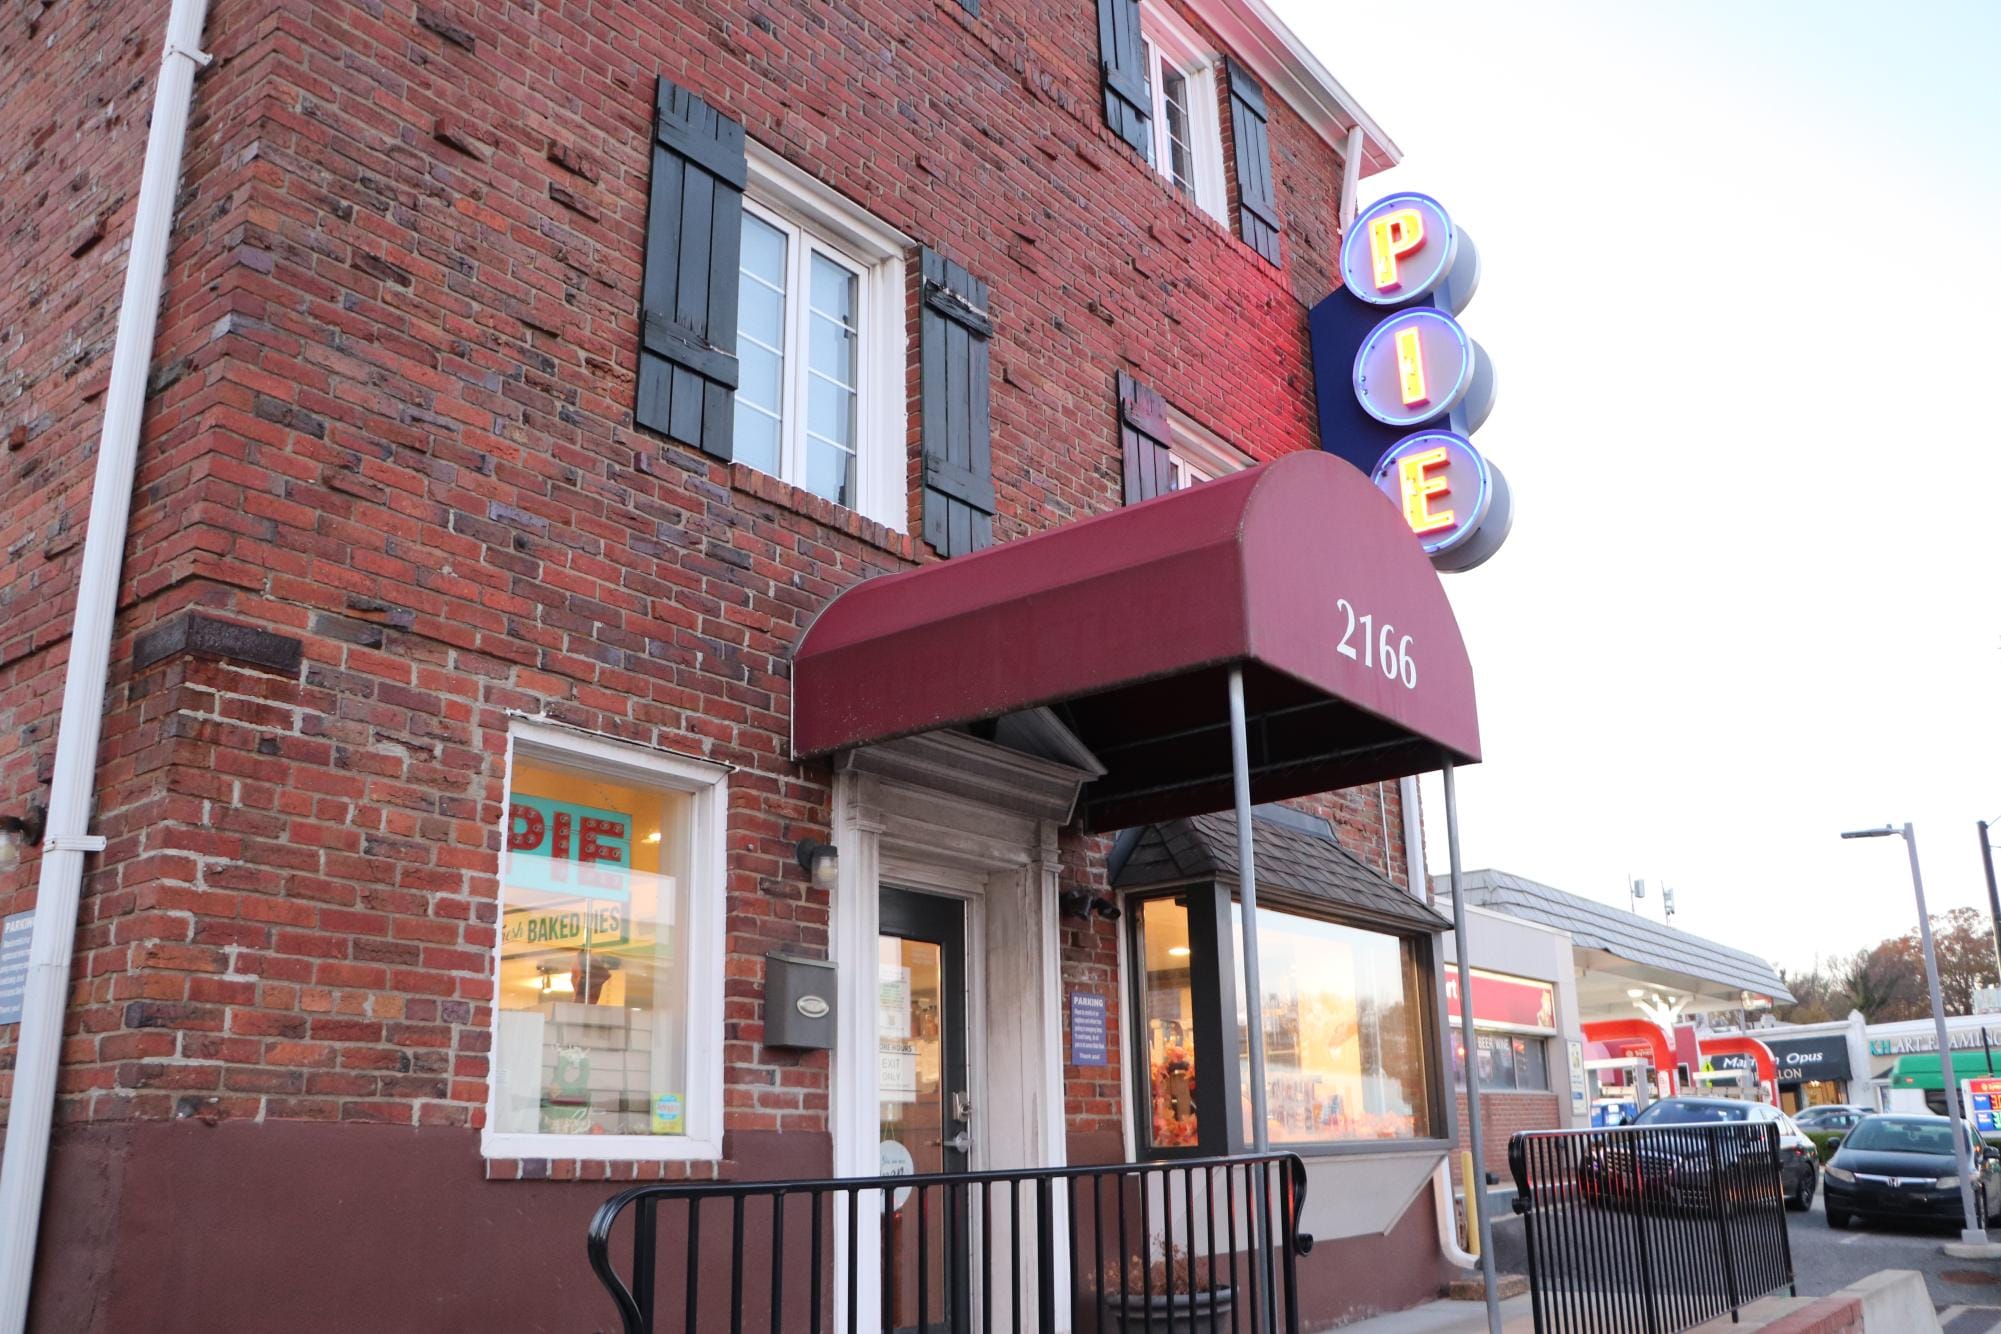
[{"x": 1620, "y": 953}]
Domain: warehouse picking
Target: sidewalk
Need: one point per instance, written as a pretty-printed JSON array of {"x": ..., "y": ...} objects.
[
  {"x": 1447, "y": 1317},
  {"x": 1450, "y": 1317}
]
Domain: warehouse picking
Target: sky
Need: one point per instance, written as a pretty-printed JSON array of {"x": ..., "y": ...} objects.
[{"x": 1740, "y": 268}]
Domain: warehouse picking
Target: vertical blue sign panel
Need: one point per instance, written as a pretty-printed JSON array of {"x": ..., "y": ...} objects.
[{"x": 1087, "y": 1029}]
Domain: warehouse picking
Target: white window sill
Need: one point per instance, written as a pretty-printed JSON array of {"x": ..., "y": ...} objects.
[{"x": 515, "y": 1146}]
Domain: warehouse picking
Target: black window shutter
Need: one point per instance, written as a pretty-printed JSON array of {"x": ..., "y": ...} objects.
[
  {"x": 958, "y": 456},
  {"x": 1257, "y": 202},
  {"x": 1128, "y": 102},
  {"x": 1143, "y": 431},
  {"x": 688, "y": 308}
]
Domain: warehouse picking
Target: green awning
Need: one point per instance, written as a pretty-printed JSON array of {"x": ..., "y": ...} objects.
[{"x": 1920, "y": 1071}]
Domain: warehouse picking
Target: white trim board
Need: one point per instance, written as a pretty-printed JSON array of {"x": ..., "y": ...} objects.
[{"x": 1259, "y": 38}]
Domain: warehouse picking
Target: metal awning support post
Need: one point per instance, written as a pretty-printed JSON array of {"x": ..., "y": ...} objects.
[
  {"x": 1254, "y": 1010},
  {"x": 1477, "y": 1194},
  {"x": 1247, "y": 894}
]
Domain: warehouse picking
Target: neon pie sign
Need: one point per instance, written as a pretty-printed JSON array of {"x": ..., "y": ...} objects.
[{"x": 1417, "y": 386}]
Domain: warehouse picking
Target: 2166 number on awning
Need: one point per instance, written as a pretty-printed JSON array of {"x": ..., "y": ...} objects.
[{"x": 1384, "y": 649}]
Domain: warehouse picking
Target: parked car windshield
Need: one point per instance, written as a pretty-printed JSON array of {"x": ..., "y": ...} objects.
[
  {"x": 1903, "y": 1137},
  {"x": 1677, "y": 1113}
]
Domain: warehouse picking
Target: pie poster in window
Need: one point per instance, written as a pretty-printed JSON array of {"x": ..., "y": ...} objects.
[{"x": 559, "y": 847}]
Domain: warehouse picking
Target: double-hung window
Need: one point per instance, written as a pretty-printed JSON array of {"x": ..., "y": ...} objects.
[
  {"x": 1187, "y": 144},
  {"x": 820, "y": 343},
  {"x": 1197, "y": 454}
]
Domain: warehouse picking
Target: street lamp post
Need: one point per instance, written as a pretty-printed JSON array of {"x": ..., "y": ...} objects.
[
  {"x": 1993, "y": 896},
  {"x": 1975, "y": 1231}
]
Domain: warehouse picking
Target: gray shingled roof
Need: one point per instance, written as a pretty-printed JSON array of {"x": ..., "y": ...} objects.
[
  {"x": 1601, "y": 926},
  {"x": 1297, "y": 857}
]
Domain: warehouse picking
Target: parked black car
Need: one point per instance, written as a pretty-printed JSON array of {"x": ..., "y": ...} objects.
[
  {"x": 1674, "y": 1170},
  {"x": 1840, "y": 1117},
  {"x": 1902, "y": 1166}
]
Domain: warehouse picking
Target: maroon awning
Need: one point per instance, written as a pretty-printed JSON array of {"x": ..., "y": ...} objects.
[{"x": 1126, "y": 626}]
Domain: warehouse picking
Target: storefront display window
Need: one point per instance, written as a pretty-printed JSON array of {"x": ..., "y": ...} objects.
[
  {"x": 1168, "y": 1001},
  {"x": 605, "y": 976},
  {"x": 1344, "y": 1031}
]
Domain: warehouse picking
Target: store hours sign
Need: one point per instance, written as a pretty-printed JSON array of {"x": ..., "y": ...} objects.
[{"x": 1402, "y": 386}]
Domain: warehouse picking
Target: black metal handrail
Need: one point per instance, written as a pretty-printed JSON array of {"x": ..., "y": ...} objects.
[
  {"x": 1650, "y": 1228},
  {"x": 1169, "y": 1248}
]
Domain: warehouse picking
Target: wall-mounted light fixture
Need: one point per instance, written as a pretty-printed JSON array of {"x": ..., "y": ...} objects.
[
  {"x": 820, "y": 861},
  {"x": 1081, "y": 904},
  {"x": 17, "y": 831}
]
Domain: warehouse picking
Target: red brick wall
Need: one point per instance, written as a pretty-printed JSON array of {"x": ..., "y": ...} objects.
[
  {"x": 78, "y": 78},
  {"x": 393, "y": 423},
  {"x": 1501, "y": 1115}
]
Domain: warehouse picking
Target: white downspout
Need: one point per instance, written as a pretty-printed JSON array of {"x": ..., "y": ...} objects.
[
  {"x": 1413, "y": 840},
  {"x": 1351, "y": 177},
  {"x": 25, "y": 1168},
  {"x": 1441, "y": 1176},
  {"x": 1448, "y": 1235}
]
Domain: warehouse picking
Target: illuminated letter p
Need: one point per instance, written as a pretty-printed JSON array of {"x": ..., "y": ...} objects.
[{"x": 1391, "y": 237}]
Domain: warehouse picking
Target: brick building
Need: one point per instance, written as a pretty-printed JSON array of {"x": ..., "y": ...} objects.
[{"x": 528, "y": 380}]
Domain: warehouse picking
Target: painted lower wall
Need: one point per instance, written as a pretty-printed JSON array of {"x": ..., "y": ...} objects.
[{"x": 332, "y": 1229}]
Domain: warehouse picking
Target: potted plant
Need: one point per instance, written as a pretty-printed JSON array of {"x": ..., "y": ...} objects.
[{"x": 1181, "y": 1303}]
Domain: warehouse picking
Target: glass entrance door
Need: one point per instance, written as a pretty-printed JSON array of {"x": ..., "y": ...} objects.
[{"x": 925, "y": 1121}]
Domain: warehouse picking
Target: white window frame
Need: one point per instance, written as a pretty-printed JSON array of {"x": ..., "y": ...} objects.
[
  {"x": 1168, "y": 38},
  {"x": 817, "y": 218},
  {"x": 708, "y": 784},
  {"x": 1197, "y": 454}
]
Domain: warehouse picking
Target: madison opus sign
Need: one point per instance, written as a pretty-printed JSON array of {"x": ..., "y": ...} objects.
[{"x": 1805, "y": 1059}]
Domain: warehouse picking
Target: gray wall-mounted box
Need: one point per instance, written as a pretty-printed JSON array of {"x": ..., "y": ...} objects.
[{"x": 798, "y": 1002}]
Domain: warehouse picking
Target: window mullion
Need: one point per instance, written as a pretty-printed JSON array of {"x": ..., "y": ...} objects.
[
  {"x": 864, "y": 498},
  {"x": 798, "y": 330}
]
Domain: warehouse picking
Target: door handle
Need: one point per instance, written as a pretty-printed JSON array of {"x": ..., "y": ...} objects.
[{"x": 959, "y": 1143}]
